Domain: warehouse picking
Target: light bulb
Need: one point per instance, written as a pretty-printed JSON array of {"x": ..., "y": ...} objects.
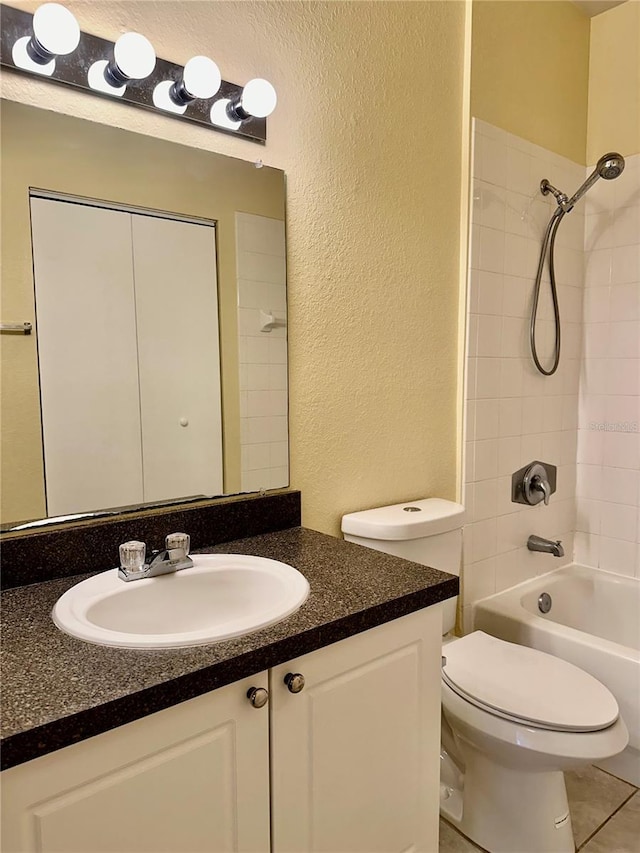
[
  {"x": 55, "y": 33},
  {"x": 133, "y": 59},
  {"x": 164, "y": 100},
  {"x": 25, "y": 56},
  {"x": 55, "y": 30},
  {"x": 201, "y": 77},
  {"x": 220, "y": 115},
  {"x": 98, "y": 78},
  {"x": 258, "y": 98}
]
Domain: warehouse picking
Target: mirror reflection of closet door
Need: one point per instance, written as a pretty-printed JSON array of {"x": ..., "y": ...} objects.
[
  {"x": 179, "y": 358},
  {"x": 87, "y": 350},
  {"x": 129, "y": 362}
]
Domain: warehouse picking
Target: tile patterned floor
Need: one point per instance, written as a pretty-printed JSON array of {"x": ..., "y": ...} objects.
[{"x": 605, "y": 814}]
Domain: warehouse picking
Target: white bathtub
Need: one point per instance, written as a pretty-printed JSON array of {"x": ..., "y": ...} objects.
[{"x": 594, "y": 622}]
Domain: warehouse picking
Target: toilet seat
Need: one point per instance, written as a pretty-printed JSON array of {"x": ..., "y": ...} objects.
[
  {"x": 526, "y": 686},
  {"x": 520, "y": 744}
]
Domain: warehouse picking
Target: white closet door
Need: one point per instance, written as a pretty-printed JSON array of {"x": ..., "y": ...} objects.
[
  {"x": 179, "y": 360},
  {"x": 87, "y": 353}
]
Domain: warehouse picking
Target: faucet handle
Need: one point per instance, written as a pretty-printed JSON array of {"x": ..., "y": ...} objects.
[
  {"x": 540, "y": 484},
  {"x": 178, "y": 541},
  {"x": 132, "y": 556},
  {"x": 534, "y": 483}
]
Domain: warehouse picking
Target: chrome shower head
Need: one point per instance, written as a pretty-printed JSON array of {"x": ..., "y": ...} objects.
[{"x": 610, "y": 166}]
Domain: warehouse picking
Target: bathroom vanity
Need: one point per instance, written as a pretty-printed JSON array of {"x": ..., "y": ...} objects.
[
  {"x": 351, "y": 756},
  {"x": 217, "y": 747}
]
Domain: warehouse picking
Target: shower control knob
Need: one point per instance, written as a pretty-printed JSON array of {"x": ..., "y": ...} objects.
[
  {"x": 258, "y": 696},
  {"x": 534, "y": 483},
  {"x": 294, "y": 682}
]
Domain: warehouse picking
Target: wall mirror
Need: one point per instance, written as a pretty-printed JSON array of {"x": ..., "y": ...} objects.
[{"x": 154, "y": 277}]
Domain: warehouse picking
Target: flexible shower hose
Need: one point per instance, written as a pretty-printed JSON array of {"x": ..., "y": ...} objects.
[{"x": 548, "y": 244}]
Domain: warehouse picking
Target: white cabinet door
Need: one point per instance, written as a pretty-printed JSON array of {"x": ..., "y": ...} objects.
[
  {"x": 355, "y": 754},
  {"x": 190, "y": 779},
  {"x": 179, "y": 358},
  {"x": 87, "y": 352}
]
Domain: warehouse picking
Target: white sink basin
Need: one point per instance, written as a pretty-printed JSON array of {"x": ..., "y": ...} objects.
[{"x": 222, "y": 596}]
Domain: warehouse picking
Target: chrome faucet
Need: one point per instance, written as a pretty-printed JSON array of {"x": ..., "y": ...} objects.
[
  {"x": 539, "y": 483},
  {"x": 546, "y": 546},
  {"x": 534, "y": 483},
  {"x": 172, "y": 558}
]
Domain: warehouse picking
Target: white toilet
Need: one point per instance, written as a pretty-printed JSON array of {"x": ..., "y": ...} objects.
[{"x": 513, "y": 718}]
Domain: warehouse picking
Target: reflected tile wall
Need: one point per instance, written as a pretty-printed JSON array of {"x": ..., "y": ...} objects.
[
  {"x": 261, "y": 268},
  {"x": 608, "y": 518}
]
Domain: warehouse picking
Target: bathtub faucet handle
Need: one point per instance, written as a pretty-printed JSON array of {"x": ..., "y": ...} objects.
[
  {"x": 534, "y": 483},
  {"x": 541, "y": 484}
]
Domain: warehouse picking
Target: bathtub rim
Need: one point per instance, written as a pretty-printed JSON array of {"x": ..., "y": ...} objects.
[{"x": 508, "y": 603}]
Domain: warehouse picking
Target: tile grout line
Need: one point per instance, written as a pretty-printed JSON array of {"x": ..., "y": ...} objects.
[
  {"x": 462, "y": 835},
  {"x": 636, "y": 788},
  {"x": 605, "y": 822}
]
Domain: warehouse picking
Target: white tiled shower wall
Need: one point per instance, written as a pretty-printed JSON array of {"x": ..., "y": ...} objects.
[
  {"x": 608, "y": 486},
  {"x": 261, "y": 269},
  {"x": 514, "y": 415}
]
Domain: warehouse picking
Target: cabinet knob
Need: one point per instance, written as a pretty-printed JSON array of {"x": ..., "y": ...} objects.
[
  {"x": 258, "y": 696},
  {"x": 294, "y": 682}
]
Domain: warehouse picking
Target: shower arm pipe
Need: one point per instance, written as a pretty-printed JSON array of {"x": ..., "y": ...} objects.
[
  {"x": 546, "y": 187},
  {"x": 548, "y": 243},
  {"x": 567, "y": 204}
]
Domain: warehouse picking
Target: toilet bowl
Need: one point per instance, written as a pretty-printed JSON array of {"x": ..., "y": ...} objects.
[{"x": 513, "y": 718}]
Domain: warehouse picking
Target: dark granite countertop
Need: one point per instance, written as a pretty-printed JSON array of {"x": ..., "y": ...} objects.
[{"x": 58, "y": 690}]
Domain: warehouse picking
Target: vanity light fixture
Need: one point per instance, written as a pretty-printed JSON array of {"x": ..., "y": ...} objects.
[
  {"x": 55, "y": 32},
  {"x": 50, "y": 43},
  {"x": 133, "y": 59},
  {"x": 200, "y": 78}
]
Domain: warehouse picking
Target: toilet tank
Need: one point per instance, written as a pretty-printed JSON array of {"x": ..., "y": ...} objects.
[{"x": 427, "y": 531}]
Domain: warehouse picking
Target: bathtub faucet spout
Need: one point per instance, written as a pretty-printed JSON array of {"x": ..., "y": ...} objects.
[{"x": 547, "y": 546}]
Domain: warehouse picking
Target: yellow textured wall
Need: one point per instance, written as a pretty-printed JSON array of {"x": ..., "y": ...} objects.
[
  {"x": 614, "y": 82},
  {"x": 370, "y": 105},
  {"x": 530, "y": 71}
]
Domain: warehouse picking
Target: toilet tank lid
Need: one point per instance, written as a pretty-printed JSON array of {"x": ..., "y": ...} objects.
[{"x": 409, "y": 520}]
